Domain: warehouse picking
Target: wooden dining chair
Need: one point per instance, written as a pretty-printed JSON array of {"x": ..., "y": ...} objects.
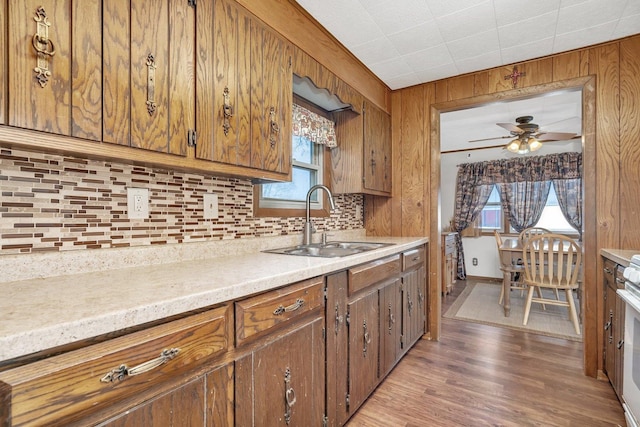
[
  {"x": 552, "y": 261},
  {"x": 527, "y": 233},
  {"x": 516, "y": 271}
]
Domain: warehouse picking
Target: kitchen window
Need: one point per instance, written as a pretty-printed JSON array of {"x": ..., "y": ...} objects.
[
  {"x": 493, "y": 216},
  {"x": 288, "y": 199}
]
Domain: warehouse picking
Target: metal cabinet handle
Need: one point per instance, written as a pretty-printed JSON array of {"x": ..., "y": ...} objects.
[
  {"x": 151, "y": 84},
  {"x": 607, "y": 326},
  {"x": 122, "y": 371},
  {"x": 293, "y": 307},
  {"x": 227, "y": 111},
  {"x": 289, "y": 396},
  {"x": 274, "y": 129},
  {"x": 43, "y": 46},
  {"x": 620, "y": 344},
  {"x": 366, "y": 338},
  {"x": 339, "y": 318},
  {"x": 392, "y": 319}
]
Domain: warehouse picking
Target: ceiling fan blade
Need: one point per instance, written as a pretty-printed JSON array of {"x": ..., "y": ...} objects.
[
  {"x": 555, "y": 136},
  {"x": 510, "y": 127},
  {"x": 557, "y": 140},
  {"x": 489, "y": 139}
]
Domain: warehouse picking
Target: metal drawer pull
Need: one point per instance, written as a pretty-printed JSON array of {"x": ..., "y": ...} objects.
[
  {"x": 293, "y": 307},
  {"x": 619, "y": 280},
  {"x": 122, "y": 371},
  {"x": 608, "y": 270},
  {"x": 289, "y": 396},
  {"x": 43, "y": 45}
]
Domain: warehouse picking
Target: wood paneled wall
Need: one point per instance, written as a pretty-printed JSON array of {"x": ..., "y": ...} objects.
[{"x": 611, "y": 150}]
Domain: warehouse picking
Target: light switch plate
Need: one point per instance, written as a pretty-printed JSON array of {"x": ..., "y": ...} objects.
[
  {"x": 210, "y": 201},
  {"x": 137, "y": 203}
]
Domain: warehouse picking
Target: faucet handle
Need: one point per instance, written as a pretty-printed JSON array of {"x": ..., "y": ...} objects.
[{"x": 324, "y": 237}]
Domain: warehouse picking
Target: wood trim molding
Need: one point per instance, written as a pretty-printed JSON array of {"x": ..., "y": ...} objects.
[{"x": 587, "y": 85}]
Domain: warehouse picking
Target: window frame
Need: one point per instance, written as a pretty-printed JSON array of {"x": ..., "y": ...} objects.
[{"x": 317, "y": 210}]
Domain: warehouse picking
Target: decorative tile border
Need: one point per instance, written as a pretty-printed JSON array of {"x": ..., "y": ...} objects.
[{"x": 60, "y": 203}]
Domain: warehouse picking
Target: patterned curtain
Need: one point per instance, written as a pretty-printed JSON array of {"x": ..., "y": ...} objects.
[
  {"x": 312, "y": 126},
  {"x": 524, "y": 202},
  {"x": 524, "y": 184},
  {"x": 471, "y": 197}
]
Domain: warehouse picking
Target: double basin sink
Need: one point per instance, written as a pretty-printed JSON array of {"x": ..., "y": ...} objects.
[{"x": 330, "y": 249}]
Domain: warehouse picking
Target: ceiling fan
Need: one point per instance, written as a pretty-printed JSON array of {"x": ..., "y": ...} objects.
[{"x": 527, "y": 136}]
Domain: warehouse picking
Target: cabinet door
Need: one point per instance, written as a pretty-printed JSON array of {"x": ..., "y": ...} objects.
[
  {"x": 271, "y": 99},
  {"x": 363, "y": 320},
  {"x": 54, "y": 72},
  {"x": 414, "y": 306},
  {"x": 337, "y": 349},
  {"x": 205, "y": 401},
  {"x": 609, "y": 320},
  {"x": 390, "y": 325},
  {"x": 149, "y": 93},
  {"x": 377, "y": 149},
  {"x": 278, "y": 386}
]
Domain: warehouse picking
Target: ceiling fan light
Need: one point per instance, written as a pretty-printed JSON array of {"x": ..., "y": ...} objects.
[
  {"x": 534, "y": 144},
  {"x": 514, "y": 146},
  {"x": 524, "y": 147}
]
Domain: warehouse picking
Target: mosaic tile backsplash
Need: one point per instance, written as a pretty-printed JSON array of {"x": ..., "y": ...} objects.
[{"x": 59, "y": 203}]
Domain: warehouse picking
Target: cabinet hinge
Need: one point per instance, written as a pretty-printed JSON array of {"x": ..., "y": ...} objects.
[
  {"x": 191, "y": 138},
  {"x": 401, "y": 341},
  {"x": 347, "y": 318},
  {"x": 324, "y": 334},
  {"x": 324, "y": 292},
  {"x": 325, "y": 421},
  {"x": 347, "y": 401},
  {"x": 191, "y": 3}
]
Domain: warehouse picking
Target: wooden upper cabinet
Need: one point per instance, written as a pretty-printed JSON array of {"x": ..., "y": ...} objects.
[
  {"x": 362, "y": 161},
  {"x": 245, "y": 89},
  {"x": 55, "y": 61},
  {"x": 377, "y": 149},
  {"x": 149, "y": 92}
]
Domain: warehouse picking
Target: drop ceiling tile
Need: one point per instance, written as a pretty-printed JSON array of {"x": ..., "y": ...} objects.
[
  {"x": 589, "y": 14},
  {"x": 480, "y": 62},
  {"x": 437, "y": 73},
  {"x": 390, "y": 68},
  {"x": 627, "y": 26},
  {"x": 466, "y": 22},
  {"x": 447, "y": 7},
  {"x": 374, "y": 51},
  {"x": 392, "y": 19},
  {"x": 428, "y": 58},
  {"x": 403, "y": 81},
  {"x": 527, "y": 31},
  {"x": 475, "y": 45},
  {"x": 527, "y": 51},
  {"x": 584, "y": 37},
  {"x": 510, "y": 11},
  {"x": 420, "y": 37}
]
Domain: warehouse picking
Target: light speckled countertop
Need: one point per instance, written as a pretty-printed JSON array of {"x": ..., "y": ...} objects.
[
  {"x": 619, "y": 256},
  {"x": 44, "y": 312}
]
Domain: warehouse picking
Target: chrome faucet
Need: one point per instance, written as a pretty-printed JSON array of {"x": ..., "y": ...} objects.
[{"x": 308, "y": 227}]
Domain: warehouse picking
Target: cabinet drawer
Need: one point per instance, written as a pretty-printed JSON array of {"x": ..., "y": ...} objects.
[
  {"x": 413, "y": 257},
  {"x": 368, "y": 274},
  {"x": 257, "y": 315},
  {"x": 63, "y": 388}
]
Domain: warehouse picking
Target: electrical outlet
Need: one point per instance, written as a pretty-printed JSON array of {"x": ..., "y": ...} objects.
[
  {"x": 210, "y": 201},
  {"x": 137, "y": 203},
  {"x": 358, "y": 212},
  {"x": 474, "y": 261}
]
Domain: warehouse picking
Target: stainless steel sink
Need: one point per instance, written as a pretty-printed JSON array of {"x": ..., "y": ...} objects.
[{"x": 330, "y": 249}]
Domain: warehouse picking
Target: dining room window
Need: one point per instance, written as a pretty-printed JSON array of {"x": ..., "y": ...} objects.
[{"x": 493, "y": 216}]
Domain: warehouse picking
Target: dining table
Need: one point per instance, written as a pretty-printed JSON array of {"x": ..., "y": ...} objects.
[{"x": 510, "y": 252}]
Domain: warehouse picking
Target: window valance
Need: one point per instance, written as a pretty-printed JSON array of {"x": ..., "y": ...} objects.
[
  {"x": 313, "y": 126},
  {"x": 524, "y": 169}
]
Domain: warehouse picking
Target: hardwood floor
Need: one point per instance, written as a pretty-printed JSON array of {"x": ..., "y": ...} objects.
[{"x": 480, "y": 375}]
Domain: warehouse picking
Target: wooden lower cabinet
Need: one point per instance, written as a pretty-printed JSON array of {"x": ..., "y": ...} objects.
[
  {"x": 614, "y": 312},
  {"x": 205, "y": 401},
  {"x": 449, "y": 261},
  {"x": 306, "y": 354}
]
